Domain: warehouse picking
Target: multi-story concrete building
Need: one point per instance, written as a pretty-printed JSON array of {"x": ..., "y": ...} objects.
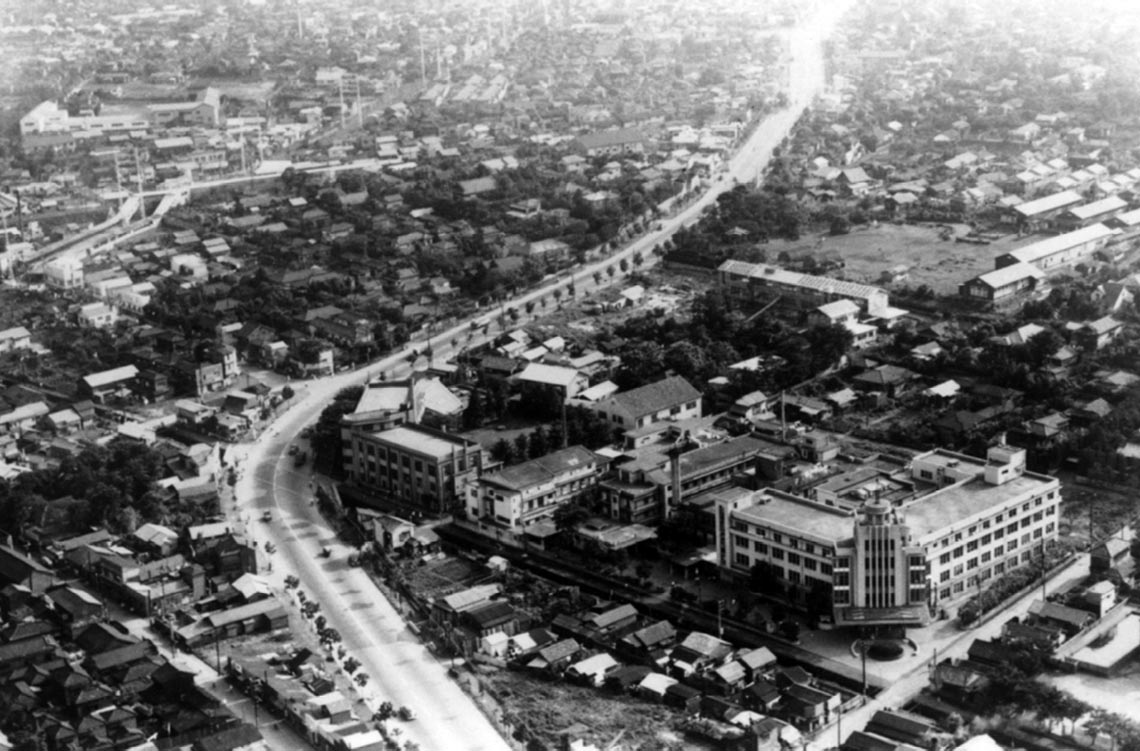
[
  {"x": 518, "y": 497},
  {"x": 761, "y": 281},
  {"x": 415, "y": 468},
  {"x": 926, "y": 541},
  {"x": 411, "y": 401},
  {"x": 64, "y": 273}
]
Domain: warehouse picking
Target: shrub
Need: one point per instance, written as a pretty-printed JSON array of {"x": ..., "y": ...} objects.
[{"x": 885, "y": 651}]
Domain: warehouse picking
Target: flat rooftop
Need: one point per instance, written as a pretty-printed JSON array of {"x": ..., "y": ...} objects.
[
  {"x": 410, "y": 439},
  {"x": 957, "y": 503},
  {"x": 799, "y": 517}
]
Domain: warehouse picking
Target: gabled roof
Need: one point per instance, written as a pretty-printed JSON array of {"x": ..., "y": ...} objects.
[
  {"x": 612, "y": 616},
  {"x": 559, "y": 650},
  {"x": 653, "y": 635},
  {"x": 654, "y": 397},
  {"x": 758, "y": 658},
  {"x": 552, "y": 375}
]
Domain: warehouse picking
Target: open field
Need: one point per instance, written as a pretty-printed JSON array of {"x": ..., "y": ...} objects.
[
  {"x": 940, "y": 264},
  {"x": 549, "y": 708}
]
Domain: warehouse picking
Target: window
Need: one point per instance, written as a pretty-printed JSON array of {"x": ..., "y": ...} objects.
[
  {"x": 1025, "y": 522},
  {"x": 1012, "y": 544},
  {"x": 742, "y": 559},
  {"x": 778, "y": 554},
  {"x": 986, "y": 556},
  {"x": 972, "y": 563},
  {"x": 958, "y": 552},
  {"x": 793, "y": 543},
  {"x": 973, "y": 530},
  {"x": 999, "y": 533},
  {"x": 1049, "y": 527},
  {"x": 760, "y": 548},
  {"x": 971, "y": 546},
  {"x": 944, "y": 558},
  {"x": 794, "y": 577},
  {"x": 825, "y": 568},
  {"x": 793, "y": 559},
  {"x": 959, "y": 587},
  {"x": 738, "y": 526},
  {"x": 959, "y": 570},
  {"x": 1037, "y": 533},
  {"x": 987, "y": 539},
  {"x": 777, "y": 537},
  {"x": 944, "y": 594},
  {"x": 810, "y": 564},
  {"x": 740, "y": 541},
  {"x": 945, "y": 577},
  {"x": 809, "y": 548}
]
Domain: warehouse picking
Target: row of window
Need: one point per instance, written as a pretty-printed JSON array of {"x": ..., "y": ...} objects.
[{"x": 778, "y": 538}]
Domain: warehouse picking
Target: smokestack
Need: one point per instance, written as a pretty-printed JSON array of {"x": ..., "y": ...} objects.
[
  {"x": 674, "y": 501},
  {"x": 783, "y": 419}
]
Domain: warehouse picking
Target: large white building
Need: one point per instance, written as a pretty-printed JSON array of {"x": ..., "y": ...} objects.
[
  {"x": 763, "y": 281},
  {"x": 49, "y": 117},
  {"x": 518, "y": 497},
  {"x": 893, "y": 549},
  {"x": 64, "y": 273}
]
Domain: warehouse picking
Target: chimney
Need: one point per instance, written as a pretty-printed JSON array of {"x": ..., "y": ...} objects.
[{"x": 674, "y": 500}]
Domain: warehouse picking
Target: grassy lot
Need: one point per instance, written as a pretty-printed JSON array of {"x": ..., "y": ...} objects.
[
  {"x": 1109, "y": 510},
  {"x": 549, "y": 708},
  {"x": 940, "y": 264}
]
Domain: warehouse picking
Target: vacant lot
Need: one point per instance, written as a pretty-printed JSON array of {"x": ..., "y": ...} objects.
[
  {"x": 940, "y": 264},
  {"x": 549, "y": 708}
]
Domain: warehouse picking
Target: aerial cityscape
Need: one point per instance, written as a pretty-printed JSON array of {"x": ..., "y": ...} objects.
[{"x": 492, "y": 375}]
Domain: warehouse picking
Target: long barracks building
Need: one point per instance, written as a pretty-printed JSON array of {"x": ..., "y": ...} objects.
[{"x": 895, "y": 548}]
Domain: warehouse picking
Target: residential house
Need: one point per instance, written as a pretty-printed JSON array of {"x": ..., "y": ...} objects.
[{"x": 672, "y": 398}]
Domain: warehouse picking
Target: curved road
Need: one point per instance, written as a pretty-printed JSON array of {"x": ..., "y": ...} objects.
[{"x": 401, "y": 668}]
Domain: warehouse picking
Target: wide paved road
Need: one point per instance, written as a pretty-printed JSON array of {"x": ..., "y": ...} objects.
[{"x": 402, "y": 670}]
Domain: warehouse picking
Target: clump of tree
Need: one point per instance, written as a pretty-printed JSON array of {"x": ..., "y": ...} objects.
[
  {"x": 114, "y": 486},
  {"x": 328, "y": 447}
]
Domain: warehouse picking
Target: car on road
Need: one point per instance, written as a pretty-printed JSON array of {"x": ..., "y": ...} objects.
[{"x": 267, "y": 516}]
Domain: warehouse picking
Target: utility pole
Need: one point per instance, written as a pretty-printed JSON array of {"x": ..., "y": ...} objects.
[
  {"x": 139, "y": 177},
  {"x": 423, "y": 60},
  {"x": 340, "y": 88},
  {"x": 359, "y": 109},
  {"x": 863, "y": 652}
]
